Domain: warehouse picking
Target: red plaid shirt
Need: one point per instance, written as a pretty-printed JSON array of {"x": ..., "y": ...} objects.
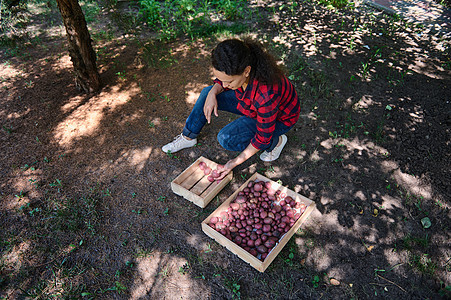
[{"x": 268, "y": 104}]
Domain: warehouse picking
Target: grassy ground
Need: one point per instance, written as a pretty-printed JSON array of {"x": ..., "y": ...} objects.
[{"x": 86, "y": 207}]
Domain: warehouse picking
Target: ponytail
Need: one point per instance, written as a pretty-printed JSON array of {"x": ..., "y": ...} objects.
[{"x": 233, "y": 56}]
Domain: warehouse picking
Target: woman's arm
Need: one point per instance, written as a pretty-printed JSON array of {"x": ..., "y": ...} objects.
[
  {"x": 242, "y": 157},
  {"x": 211, "y": 104}
]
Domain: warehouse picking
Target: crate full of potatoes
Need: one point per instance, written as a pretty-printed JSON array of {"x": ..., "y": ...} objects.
[{"x": 257, "y": 220}]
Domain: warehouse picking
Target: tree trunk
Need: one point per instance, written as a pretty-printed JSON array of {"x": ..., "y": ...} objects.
[{"x": 80, "y": 48}]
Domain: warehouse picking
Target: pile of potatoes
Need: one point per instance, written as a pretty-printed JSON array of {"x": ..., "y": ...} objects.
[{"x": 258, "y": 217}]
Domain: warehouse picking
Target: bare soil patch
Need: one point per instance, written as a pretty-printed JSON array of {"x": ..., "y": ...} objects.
[{"x": 86, "y": 206}]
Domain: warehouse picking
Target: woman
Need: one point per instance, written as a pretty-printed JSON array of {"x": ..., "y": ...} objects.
[{"x": 248, "y": 83}]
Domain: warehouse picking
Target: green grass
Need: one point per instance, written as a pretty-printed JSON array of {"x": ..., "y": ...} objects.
[
  {"x": 91, "y": 10},
  {"x": 334, "y": 3},
  {"x": 191, "y": 18},
  {"x": 59, "y": 226},
  {"x": 233, "y": 285},
  {"x": 418, "y": 256}
]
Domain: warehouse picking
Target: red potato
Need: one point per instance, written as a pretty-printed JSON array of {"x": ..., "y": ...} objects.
[
  {"x": 270, "y": 243},
  {"x": 215, "y": 173},
  {"x": 267, "y": 220},
  {"x": 235, "y": 206},
  {"x": 262, "y": 249},
  {"x": 277, "y": 208},
  {"x": 207, "y": 170},
  {"x": 224, "y": 215},
  {"x": 219, "y": 226},
  {"x": 285, "y": 219},
  {"x": 240, "y": 199},
  {"x": 233, "y": 229},
  {"x": 286, "y": 198},
  {"x": 258, "y": 187}
]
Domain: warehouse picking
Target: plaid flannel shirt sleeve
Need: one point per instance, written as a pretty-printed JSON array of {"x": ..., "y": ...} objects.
[{"x": 267, "y": 108}]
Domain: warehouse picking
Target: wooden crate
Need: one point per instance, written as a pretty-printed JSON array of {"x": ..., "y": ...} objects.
[
  {"x": 236, "y": 249},
  {"x": 193, "y": 185}
]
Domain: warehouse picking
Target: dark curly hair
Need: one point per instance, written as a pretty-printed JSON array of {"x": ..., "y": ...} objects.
[{"x": 233, "y": 56}]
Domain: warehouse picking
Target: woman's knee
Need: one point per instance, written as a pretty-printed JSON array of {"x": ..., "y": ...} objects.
[
  {"x": 231, "y": 142},
  {"x": 199, "y": 105},
  {"x": 223, "y": 140},
  {"x": 205, "y": 91}
]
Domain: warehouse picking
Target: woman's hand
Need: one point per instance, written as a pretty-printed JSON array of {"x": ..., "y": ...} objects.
[
  {"x": 210, "y": 106},
  {"x": 223, "y": 170},
  {"x": 242, "y": 157}
]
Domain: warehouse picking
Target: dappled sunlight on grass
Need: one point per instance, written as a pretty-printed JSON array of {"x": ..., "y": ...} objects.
[
  {"x": 193, "y": 92},
  {"x": 8, "y": 71},
  {"x": 14, "y": 258},
  {"x": 413, "y": 185},
  {"x": 85, "y": 120},
  {"x": 162, "y": 275},
  {"x": 26, "y": 185},
  {"x": 134, "y": 158}
]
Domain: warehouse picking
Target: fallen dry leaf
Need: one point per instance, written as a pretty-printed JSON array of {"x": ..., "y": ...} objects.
[
  {"x": 334, "y": 281},
  {"x": 370, "y": 248}
]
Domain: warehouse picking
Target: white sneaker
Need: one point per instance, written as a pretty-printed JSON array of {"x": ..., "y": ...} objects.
[
  {"x": 179, "y": 143},
  {"x": 275, "y": 153}
]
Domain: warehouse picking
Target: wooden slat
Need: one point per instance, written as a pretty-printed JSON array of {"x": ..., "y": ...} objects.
[
  {"x": 201, "y": 186},
  {"x": 189, "y": 182},
  {"x": 211, "y": 188},
  {"x": 187, "y": 173},
  {"x": 216, "y": 187}
]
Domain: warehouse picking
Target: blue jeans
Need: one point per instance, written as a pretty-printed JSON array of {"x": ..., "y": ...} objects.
[{"x": 235, "y": 136}]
